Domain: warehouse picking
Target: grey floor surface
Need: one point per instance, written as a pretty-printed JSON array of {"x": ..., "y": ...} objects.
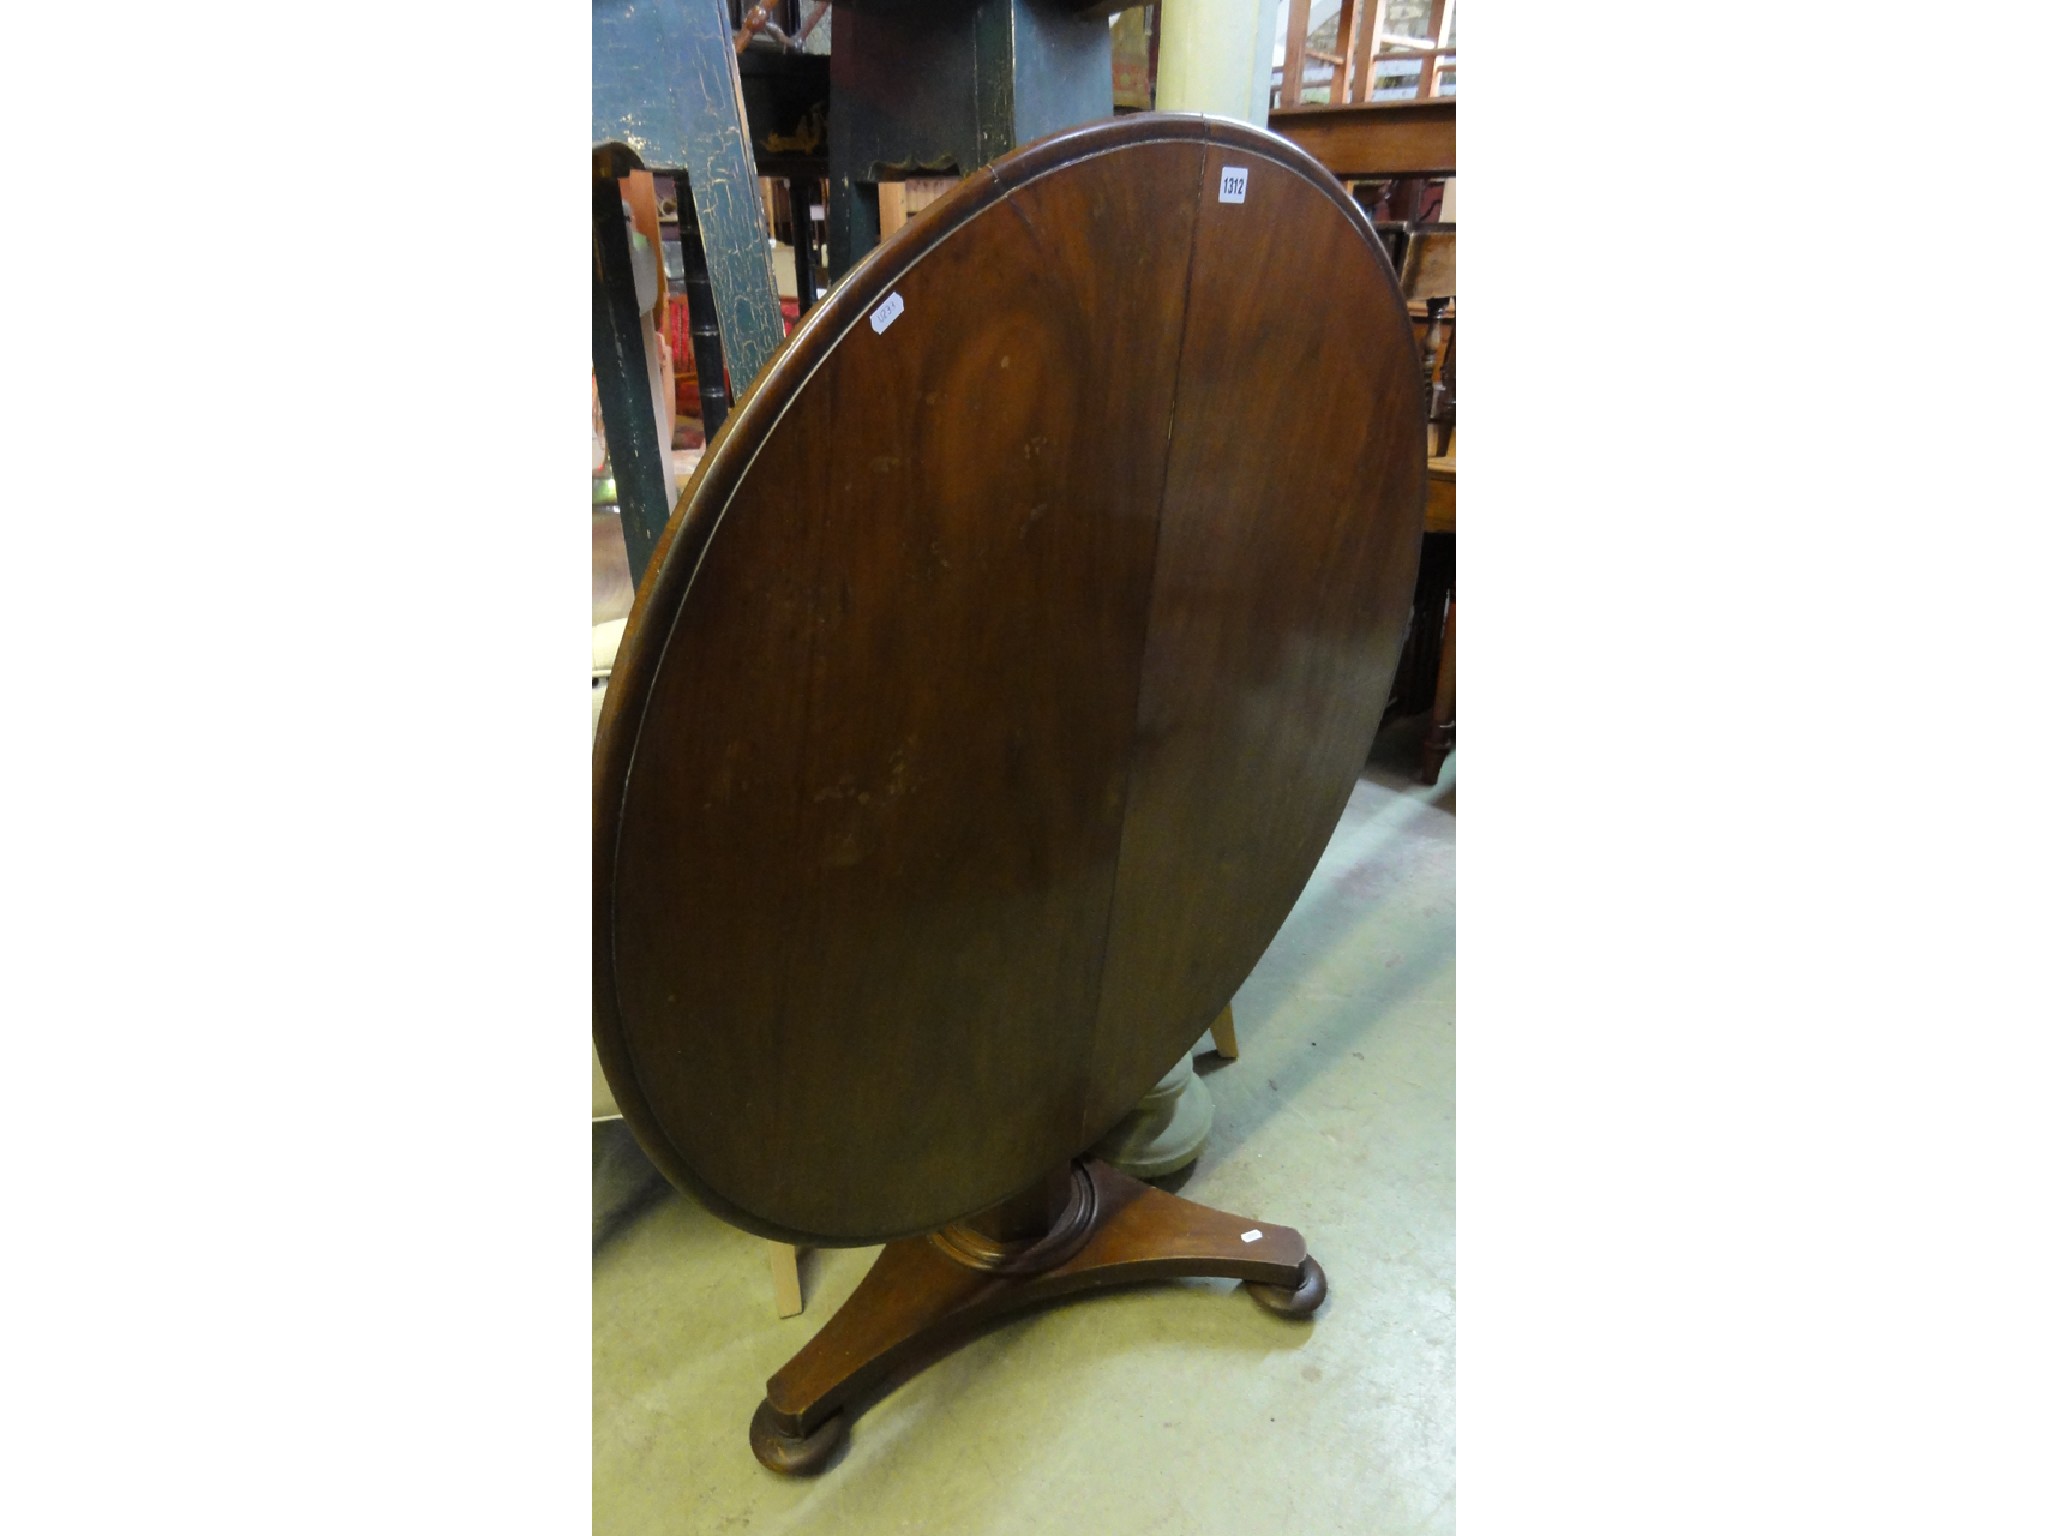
[{"x": 1179, "y": 1407}]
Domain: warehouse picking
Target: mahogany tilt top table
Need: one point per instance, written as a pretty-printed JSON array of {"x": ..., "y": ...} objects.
[{"x": 984, "y": 709}]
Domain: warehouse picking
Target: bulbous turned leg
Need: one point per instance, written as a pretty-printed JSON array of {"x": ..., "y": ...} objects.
[{"x": 1167, "y": 1130}]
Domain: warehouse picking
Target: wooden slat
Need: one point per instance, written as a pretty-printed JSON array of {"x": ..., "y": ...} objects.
[
  {"x": 1297, "y": 47},
  {"x": 1389, "y": 138},
  {"x": 1369, "y": 53},
  {"x": 1439, "y": 19},
  {"x": 1347, "y": 42}
]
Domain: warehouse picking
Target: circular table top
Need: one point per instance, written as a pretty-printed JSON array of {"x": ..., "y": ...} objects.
[{"x": 994, "y": 690}]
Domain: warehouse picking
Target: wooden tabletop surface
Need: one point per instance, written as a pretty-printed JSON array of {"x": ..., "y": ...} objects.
[{"x": 1001, "y": 678}]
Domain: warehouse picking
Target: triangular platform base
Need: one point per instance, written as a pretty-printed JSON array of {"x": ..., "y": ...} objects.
[{"x": 1087, "y": 1228}]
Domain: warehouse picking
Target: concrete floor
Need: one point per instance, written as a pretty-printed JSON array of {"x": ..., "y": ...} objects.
[{"x": 1179, "y": 1407}]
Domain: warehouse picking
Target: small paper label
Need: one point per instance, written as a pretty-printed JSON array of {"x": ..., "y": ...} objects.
[
  {"x": 1255, "y": 1234},
  {"x": 1235, "y": 179},
  {"x": 886, "y": 312}
]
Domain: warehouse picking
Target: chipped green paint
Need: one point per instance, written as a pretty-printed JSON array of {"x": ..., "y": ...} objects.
[{"x": 664, "y": 81}]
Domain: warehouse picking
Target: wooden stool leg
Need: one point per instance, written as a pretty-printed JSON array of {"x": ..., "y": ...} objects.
[
  {"x": 1443, "y": 714},
  {"x": 1224, "y": 1033},
  {"x": 789, "y": 1286}
]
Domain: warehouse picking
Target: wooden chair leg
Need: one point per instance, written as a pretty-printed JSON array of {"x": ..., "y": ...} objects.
[
  {"x": 1224, "y": 1033},
  {"x": 789, "y": 1288}
]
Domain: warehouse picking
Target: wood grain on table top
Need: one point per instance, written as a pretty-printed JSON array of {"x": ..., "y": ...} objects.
[{"x": 1001, "y": 678}]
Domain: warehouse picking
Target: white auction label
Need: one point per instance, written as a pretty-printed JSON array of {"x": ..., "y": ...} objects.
[
  {"x": 1235, "y": 178},
  {"x": 1252, "y": 1236},
  {"x": 886, "y": 312}
]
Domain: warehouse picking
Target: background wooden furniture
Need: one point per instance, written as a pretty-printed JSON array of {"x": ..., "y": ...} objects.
[
  {"x": 1393, "y": 138},
  {"x": 665, "y": 97},
  {"x": 1345, "y": 58},
  {"x": 1440, "y": 521},
  {"x": 971, "y": 770},
  {"x": 942, "y": 87},
  {"x": 1411, "y": 141},
  {"x": 1443, "y": 415},
  {"x": 665, "y": 87},
  {"x": 1429, "y": 277}
]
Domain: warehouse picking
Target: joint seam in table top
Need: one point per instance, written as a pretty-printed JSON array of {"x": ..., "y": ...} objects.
[{"x": 1145, "y": 632}]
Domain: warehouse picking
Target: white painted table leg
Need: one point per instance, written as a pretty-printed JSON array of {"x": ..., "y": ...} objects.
[{"x": 1167, "y": 1129}]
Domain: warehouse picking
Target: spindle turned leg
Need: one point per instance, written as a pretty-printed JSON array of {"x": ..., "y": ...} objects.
[{"x": 1085, "y": 1228}]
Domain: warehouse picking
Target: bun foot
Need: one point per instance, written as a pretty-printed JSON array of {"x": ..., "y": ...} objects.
[
  {"x": 1303, "y": 1298},
  {"x": 793, "y": 1455}
]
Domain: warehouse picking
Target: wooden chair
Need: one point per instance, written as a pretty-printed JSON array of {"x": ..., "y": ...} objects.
[
  {"x": 1429, "y": 276},
  {"x": 665, "y": 99}
]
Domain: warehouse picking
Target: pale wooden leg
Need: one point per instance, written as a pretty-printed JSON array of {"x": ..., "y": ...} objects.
[
  {"x": 1443, "y": 713},
  {"x": 1224, "y": 1033},
  {"x": 789, "y": 1289},
  {"x": 891, "y": 198}
]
